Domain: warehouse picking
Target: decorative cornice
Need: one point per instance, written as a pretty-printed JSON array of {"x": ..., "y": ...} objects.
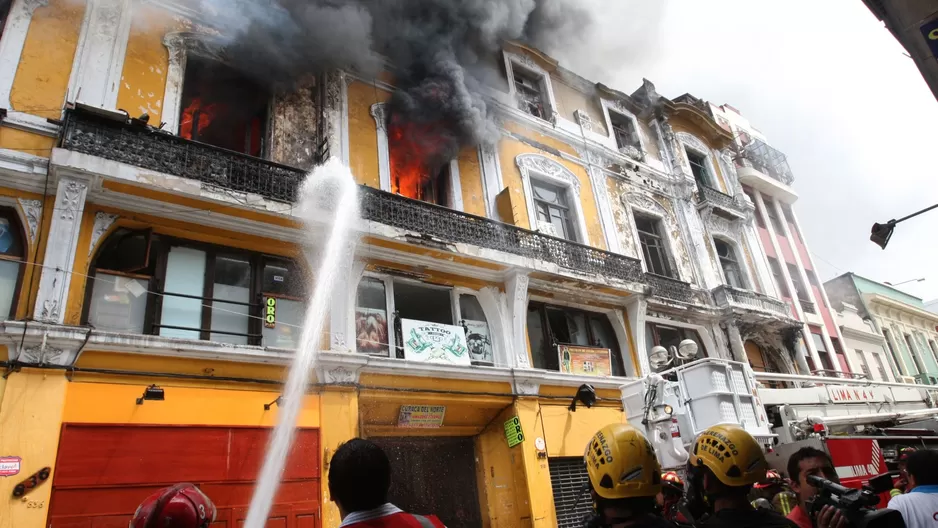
[
  {"x": 102, "y": 222},
  {"x": 544, "y": 165}
]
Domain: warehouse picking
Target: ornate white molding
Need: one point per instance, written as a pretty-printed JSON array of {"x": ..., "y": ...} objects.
[
  {"x": 645, "y": 203},
  {"x": 379, "y": 112},
  {"x": 601, "y": 192},
  {"x": 172, "y": 95},
  {"x": 102, "y": 223},
  {"x": 618, "y": 107},
  {"x": 12, "y": 43},
  {"x": 99, "y": 57},
  {"x": 491, "y": 177},
  {"x": 32, "y": 212},
  {"x": 340, "y": 368},
  {"x": 60, "y": 250},
  {"x": 513, "y": 61},
  {"x": 584, "y": 120},
  {"x": 342, "y": 318},
  {"x": 516, "y": 290},
  {"x": 526, "y": 386},
  {"x": 545, "y": 169}
]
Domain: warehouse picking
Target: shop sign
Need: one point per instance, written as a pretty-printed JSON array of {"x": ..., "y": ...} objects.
[
  {"x": 270, "y": 313},
  {"x": 930, "y": 32},
  {"x": 513, "y": 432},
  {"x": 848, "y": 394},
  {"x": 421, "y": 416},
  {"x": 478, "y": 341},
  {"x": 435, "y": 343},
  {"x": 371, "y": 331},
  {"x": 9, "y": 466},
  {"x": 586, "y": 361}
]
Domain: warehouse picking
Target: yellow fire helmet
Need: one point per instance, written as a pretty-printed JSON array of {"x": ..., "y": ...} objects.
[
  {"x": 622, "y": 464},
  {"x": 732, "y": 454}
]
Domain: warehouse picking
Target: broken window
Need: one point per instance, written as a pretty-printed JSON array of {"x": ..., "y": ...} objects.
[
  {"x": 623, "y": 128},
  {"x": 653, "y": 249},
  {"x": 698, "y": 166},
  {"x": 729, "y": 263},
  {"x": 529, "y": 91},
  {"x": 550, "y": 326},
  {"x": 438, "y": 190},
  {"x": 672, "y": 336},
  {"x": 550, "y": 203},
  {"x": 223, "y": 108}
]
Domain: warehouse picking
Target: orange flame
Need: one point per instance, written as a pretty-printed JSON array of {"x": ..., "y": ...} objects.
[
  {"x": 415, "y": 151},
  {"x": 196, "y": 112}
]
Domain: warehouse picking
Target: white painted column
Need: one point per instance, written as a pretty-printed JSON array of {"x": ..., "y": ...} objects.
[
  {"x": 342, "y": 337},
  {"x": 12, "y": 43},
  {"x": 379, "y": 112},
  {"x": 61, "y": 244},
  {"x": 336, "y": 114},
  {"x": 99, "y": 57},
  {"x": 601, "y": 192},
  {"x": 736, "y": 347},
  {"x": 494, "y": 304},
  {"x": 175, "y": 73},
  {"x": 516, "y": 288},
  {"x": 491, "y": 178},
  {"x": 636, "y": 311}
]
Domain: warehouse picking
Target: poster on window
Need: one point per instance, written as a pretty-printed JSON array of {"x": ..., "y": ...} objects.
[
  {"x": 435, "y": 343},
  {"x": 586, "y": 361},
  {"x": 371, "y": 331},
  {"x": 479, "y": 342}
]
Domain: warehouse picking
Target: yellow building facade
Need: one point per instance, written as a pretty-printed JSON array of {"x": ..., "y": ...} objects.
[{"x": 157, "y": 277}]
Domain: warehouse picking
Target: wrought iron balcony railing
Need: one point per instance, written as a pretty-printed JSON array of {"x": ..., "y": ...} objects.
[
  {"x": 668, "y": 288},
  {"x": 160, "y": 151},
  {"x": 727, "y": 296},
  {"x": 766, "y": 160},
  {"x": 717, "y": 198}
]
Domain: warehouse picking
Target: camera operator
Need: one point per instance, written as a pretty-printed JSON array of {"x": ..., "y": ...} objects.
[
  {"x": 810, "y": 461},
  {"x": 919, "y": 505}
]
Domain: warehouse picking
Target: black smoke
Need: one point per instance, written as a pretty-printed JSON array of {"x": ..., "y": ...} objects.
[{"x": 440, "y": 49}]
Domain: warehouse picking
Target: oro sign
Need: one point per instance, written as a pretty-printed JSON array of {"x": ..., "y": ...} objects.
[{"x": 513, "y": 432}]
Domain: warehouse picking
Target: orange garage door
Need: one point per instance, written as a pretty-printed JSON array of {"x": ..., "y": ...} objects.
[{"x": 104, "y": 471}]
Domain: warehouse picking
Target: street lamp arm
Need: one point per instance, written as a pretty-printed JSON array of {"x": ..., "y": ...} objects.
[
  {"x": 904, "y": 218},
  {"x": 881, "y": 233}
]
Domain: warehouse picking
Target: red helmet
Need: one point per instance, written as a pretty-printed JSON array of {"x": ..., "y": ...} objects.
[
  {"x": 179, "y": 506},
  {"x": 772, "y": 478},
  {"x": 904, "y": 454},
  {"x": 672, "y": 480}
]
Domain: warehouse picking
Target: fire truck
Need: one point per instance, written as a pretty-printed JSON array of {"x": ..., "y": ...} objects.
[{"x": 861, "y": 424}]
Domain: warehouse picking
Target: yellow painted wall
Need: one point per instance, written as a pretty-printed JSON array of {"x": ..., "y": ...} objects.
[
  {"x": 339, "y": 411},
  {"x": 503, "y": 488},
  {"x": 115, "y": 403},
  {"x": 510, "y": 148},
  {"x": 91, "y": 359},
  {"x": 540, "y": 492},
  {"x": 470, "y": 178},
  {"x": 363, "y": 133},
  {"x": 567, "y": 433},
  {"x": 143, "y": 80},
  {"x": 46, "y": 63},
  {"x": 25, "y": 142},
  {"x": 570, "y": 99},
  {"x": 30, "y": 420}
]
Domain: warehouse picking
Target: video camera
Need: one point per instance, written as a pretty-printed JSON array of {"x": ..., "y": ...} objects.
[{"x": 857, "y": 505}]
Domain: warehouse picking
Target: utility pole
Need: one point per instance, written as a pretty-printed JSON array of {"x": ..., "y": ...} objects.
[{"x": 881, "y": 233}]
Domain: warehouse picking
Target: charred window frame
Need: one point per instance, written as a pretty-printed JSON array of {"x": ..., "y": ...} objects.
[
  {"x": 222, "y": 107},
  {"x": 700, "y": 167},
  {"x": 529, "y": 85},
  {"x": 157, "y": 285},
  {"x": 549, "y": 326},
  {"x": 624, "y": 130},
  {"x": 12, "y": 257},
  {"x": 654, "y": 249},
  {"x": 668, "y": 335}
]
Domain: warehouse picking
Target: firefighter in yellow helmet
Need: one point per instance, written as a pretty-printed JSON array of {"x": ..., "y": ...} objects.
[
  {"x": 725, "y": 461},
  {"x": 624, "y": 479}
]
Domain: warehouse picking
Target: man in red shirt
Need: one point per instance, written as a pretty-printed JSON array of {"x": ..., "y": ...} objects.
[
  {"x": 359, "y": 480},
  {"x": 810, "y": 461}
]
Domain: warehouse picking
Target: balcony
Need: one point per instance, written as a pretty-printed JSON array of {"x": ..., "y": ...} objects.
[
  {"x": 714, "y": 198},
  {"x": 807, "y": 306},
  {"x": 147, "y": 147},
  {"x": 670, "y": 289},
  {"x": 765, "y": 159},
  {"x": 729, "y": 297}
]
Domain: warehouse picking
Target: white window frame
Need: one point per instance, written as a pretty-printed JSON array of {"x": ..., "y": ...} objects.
[
  {"x": 522, "y": 62},
  {"x": 610, "y": 107},
  {"x": 498, "y": 357},
  {"x": 695, "y": 145},
  {"x": 648, "y": 207},
  {"x": 743, "y": 268},
  {"x": 542, "y": 168},
  {"x": 705, "y": 337},
  {"x": 380, "y": 115}
]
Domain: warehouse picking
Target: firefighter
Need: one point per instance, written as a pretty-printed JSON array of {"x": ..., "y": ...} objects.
[
  {"x": 903, "y": 481},
  {"x": 771, "y": 494},
  {"x": 725, "y": 461},
  {"x": 624, "y": 479},
  {"x": 672, "y": 492},
  {"x": 179, "y": 506}
]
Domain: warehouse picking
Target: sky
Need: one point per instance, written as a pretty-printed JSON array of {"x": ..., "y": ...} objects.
[{"x": 826, "y": 83}]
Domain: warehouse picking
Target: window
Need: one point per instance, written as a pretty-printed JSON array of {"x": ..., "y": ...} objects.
[
  {"x": 653, "y": 250},
  {"x": 779, "y": 278},
  {"x": 789, "y": 214},
  {"x": 881, "y": 366},
  {"x": 772, "y": 213},
  {"x": 148, "y": 284},
  {"x": 223, "y": 108},
  {"x": 864, "y": 364},
  {"x": 550, "y": 203},
  {"x": 698, "y": 166},
  {"x": 4, "y": 13},
  {"x": 529, "y": 91},
  {"x": 731, "y": 270},
  {"x": 914, "y": 353},
  {"x": 12, "y": 253},
  {"x": 550, "y": 326},
  {"x": 822, "y": 353},
  {"x": 758, "y": 213},
  {"x": 889, "y": 345},
  {"x": 419, "y": 302},
  {"x": 671, "y": 336},
  {"x": 799, "y": 286},
  {"x": 624, "y": 131}
]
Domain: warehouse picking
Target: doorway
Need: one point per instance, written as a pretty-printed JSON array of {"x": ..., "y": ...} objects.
[{"x": 434, "y": 476}]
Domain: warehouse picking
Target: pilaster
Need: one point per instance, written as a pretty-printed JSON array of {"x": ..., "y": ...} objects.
[
  {"x": 99, "y": 59},
  {"x": 516, "y": 288}
]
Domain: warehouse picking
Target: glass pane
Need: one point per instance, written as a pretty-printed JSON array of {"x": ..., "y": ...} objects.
[
  {"x": 422, "y": 303},
  {"x": 118, "y": 304},
  {"x": 819, "y": 342},
  {"x": 568, "y": 327},
  {"x": 282, "y": 278},
  {"x": 9, "y": 273},
  {"x": 232, "y": 283},
  {"x": 477, "y": 329},
  {"x": 371, "y": 318},
  {"x": 537, "y": 338},
  {"x": 185, "y": 273},
  {"x": 605, "y": 337},
  {"x": 9, "y": 241},
  {"x": 282, "y": 328}
]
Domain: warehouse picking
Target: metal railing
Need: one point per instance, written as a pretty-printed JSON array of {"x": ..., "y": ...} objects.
[
  {"x": 153, "y": 149},
  {"x": 766, "y": 160},
  {"x": 728, "y": 296},
  {"x": 668, "y": 288},
  {"x": 710, "y": 195}
]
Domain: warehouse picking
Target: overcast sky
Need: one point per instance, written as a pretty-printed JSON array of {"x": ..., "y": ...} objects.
[{"x": 827, "y": 84}]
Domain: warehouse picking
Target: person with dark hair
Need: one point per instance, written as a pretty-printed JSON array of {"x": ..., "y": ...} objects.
[
  {"x": 359, "y": 480},
  {"x": 624, "y": 479},
  {"x": 725, "y": 461},
  {"x": 919, "y": 505},
  {"x": 803, "y": 463}
]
